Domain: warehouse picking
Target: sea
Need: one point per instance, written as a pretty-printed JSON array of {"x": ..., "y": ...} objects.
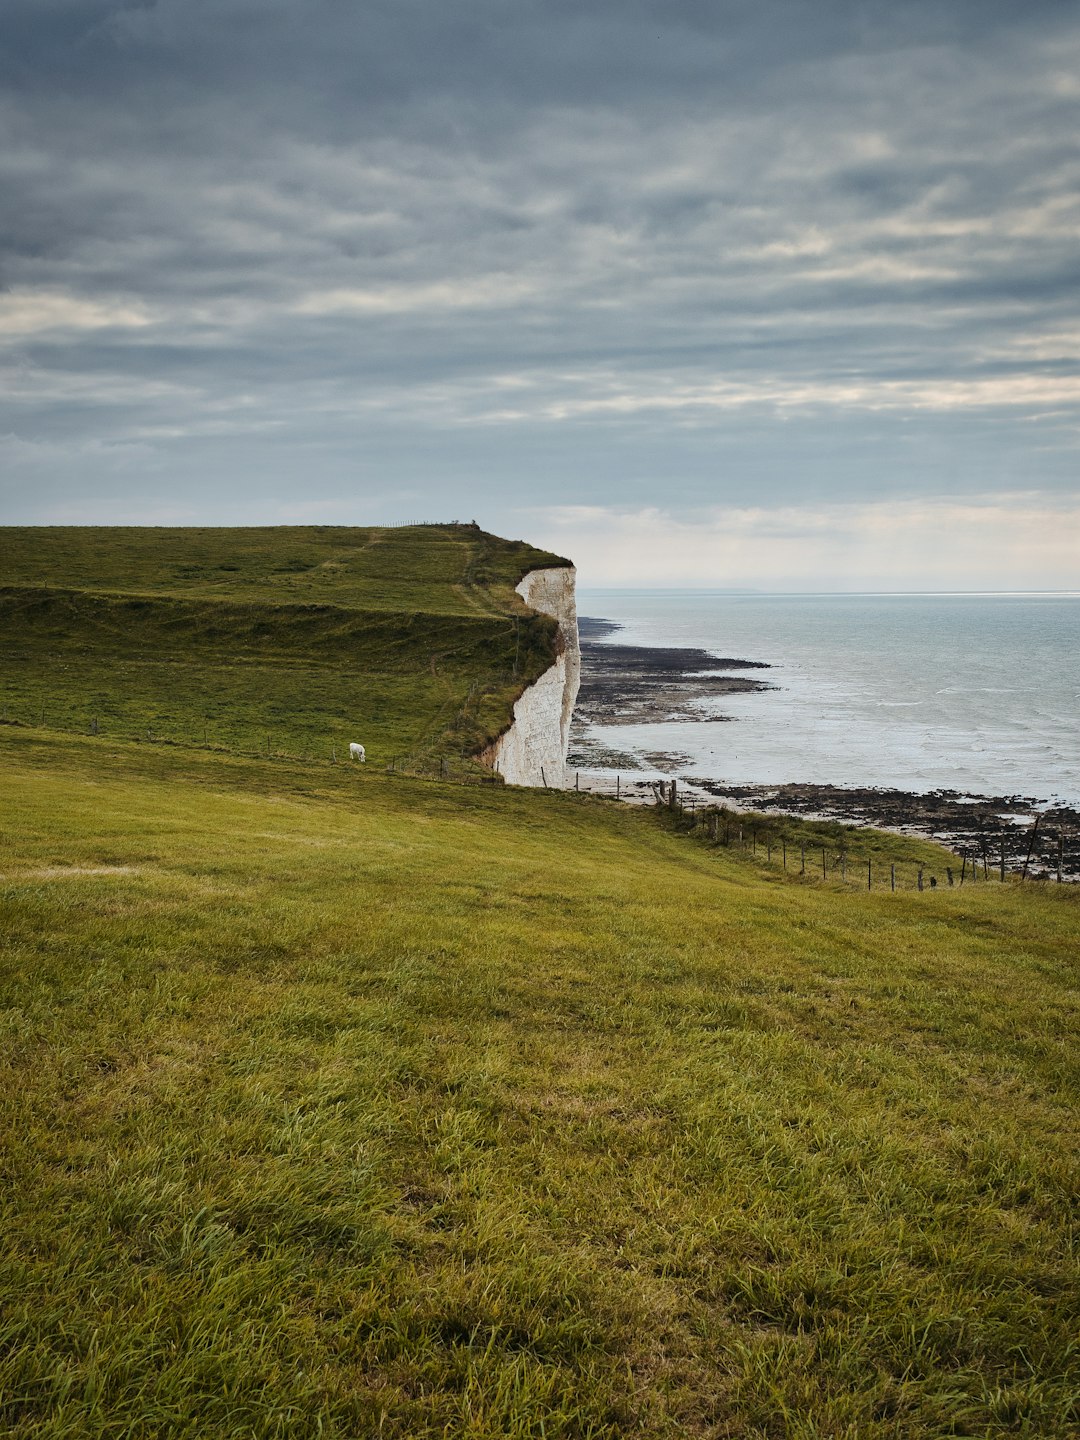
[{"x": 977, "y": 693}]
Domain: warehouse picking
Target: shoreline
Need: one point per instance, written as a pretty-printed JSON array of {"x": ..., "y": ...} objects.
[
  {"x": 632, "y": 684},
  {"x": 986, "y": 824},
  {"x": 639, "y": 684}
]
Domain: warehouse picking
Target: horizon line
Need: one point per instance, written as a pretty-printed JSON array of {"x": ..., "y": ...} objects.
[{"x": 735, "y": 591}]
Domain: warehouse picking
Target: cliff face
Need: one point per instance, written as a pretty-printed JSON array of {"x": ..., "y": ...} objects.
[{"x": 534, "y": 749}]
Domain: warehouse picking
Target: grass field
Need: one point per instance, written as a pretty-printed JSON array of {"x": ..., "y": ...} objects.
[
  {"x": 295, "y": 639},
  {"x": 348, "y": 1104},
  {"x": 434, "y": 569}
]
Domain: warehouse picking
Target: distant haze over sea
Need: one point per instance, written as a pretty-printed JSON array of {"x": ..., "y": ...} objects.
[{"x": 978, "y": 693}]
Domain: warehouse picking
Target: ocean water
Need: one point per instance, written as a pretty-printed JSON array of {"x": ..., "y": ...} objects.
[{"x": 974, "y": 693}]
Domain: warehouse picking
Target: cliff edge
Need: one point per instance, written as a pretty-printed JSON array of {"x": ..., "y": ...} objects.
[{"x": 533, "y": 750}]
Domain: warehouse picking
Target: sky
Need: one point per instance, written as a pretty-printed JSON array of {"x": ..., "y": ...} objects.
[{"x": 761, "y": 293}]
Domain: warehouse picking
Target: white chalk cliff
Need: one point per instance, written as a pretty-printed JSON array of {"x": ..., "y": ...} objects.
[{"x": 533, "y": 750}]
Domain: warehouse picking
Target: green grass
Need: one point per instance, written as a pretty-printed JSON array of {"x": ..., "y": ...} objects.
[
  {"x": 412, "y": 641},
  {"x": 438, "y": 569},
  {"x": 345, "y": 1104}
]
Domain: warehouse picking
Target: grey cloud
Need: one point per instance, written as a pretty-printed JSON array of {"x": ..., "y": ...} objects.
[{"x": 468, "y": 250}]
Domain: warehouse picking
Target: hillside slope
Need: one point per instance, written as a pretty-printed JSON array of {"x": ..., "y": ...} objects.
[
  {"x": 294, "y": 639},
  {"x": 345, "y": 1104}
]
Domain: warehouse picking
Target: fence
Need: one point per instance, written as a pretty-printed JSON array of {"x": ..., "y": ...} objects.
[
  {"x": 1002, "y": 856},
  {"x": 473, "y": 525}
]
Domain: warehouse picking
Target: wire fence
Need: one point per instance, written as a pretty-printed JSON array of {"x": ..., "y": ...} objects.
[{"x": 1040, "y": 852}]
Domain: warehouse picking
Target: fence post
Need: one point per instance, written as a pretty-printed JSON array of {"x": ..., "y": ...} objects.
[
  {"x": 784, "y": 844},
  {"x": 869, "y": 886},
  {"x": 920, "y": 877},
  {"x": 963, "y": 869},
  {"x": 824, "y": 872},
  {"x": 616, "y": 787},
  {"x": 543, "y": 777},
  {"x": 1031, "y": 846},
  {"x": 1061, "y": 853},
  {"x": 843, "y": 866},
  {"x": 948, "y": 872},
  {"x": 802, "y": 869},
  {"x": 892, "y": 877},
  {"x": 1003, "y": 857}
]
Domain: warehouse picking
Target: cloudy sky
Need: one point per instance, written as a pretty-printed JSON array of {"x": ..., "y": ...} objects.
[{"x": 772, "y": 293}]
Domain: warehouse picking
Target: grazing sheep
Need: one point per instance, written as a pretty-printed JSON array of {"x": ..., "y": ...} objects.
[{"x": 356, "y": 752}]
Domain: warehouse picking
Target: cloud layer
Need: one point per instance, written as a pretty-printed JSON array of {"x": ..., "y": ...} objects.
[
  {"x": 1014, "y": 542},
  {"x": 412, "y": 259}
]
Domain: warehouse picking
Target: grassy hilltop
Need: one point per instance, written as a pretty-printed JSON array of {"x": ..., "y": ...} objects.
[
  {"x": 342, "y": 1103},
  {"x": 293, "y": 638}
]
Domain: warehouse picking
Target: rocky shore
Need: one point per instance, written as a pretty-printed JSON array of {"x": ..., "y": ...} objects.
[
  {"x": 637, "y": 684},
  {"x": 631, "y": 684},
  {"x": 983, "y": 825}
]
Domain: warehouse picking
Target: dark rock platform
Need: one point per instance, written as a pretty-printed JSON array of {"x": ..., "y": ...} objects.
[{"x": 638, "y": 684}]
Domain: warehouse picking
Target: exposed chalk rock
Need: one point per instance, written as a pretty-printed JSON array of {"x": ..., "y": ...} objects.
[{"x": 533, "y": 751}]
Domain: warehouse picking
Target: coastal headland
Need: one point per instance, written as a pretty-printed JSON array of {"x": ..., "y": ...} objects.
[{"x": 295, "y": 640}]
